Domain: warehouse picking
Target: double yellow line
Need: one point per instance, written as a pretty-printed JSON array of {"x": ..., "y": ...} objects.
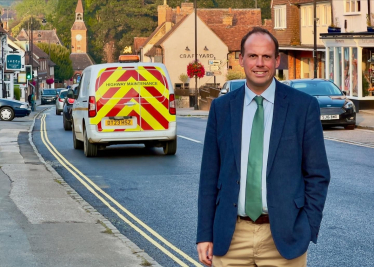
[{"x": 103, "y": 197}]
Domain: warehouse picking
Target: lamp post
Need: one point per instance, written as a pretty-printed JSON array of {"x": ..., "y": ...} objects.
[
  {"x": 2, "y": 34},
  {"x": 196, "y": 89}
]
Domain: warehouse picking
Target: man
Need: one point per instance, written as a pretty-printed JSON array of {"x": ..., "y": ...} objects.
[{"x": 264, "y": 173}]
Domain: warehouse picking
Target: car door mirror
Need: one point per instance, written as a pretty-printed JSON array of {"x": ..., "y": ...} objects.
[
  {"x": 344, "y": 92},
  {"x": 223, "y": 91}
]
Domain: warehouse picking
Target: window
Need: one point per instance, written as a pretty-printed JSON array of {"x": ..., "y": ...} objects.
[
  {"x": 79, "y": 16},
  {"x": 280, "y": 17},
  {"x": 325, "y": 15},
  {"x": 352, "y": 6},
  {"x": 303, "y": 16},
  {"x": 237, "y": 53},
  {"x": 310, "y": 16},
  {"x": 39, "y": 35}
]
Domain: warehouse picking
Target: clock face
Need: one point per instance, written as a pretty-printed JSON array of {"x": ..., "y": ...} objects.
[{"x": 78, "y": 37}]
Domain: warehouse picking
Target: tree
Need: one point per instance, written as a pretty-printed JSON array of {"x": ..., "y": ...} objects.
[
  {"x": 60, "y": 55},
  {"x": 26, "y": 23},
  {"x": 36, "y": 7}
]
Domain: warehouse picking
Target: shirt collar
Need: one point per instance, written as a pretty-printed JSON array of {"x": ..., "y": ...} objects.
[{"x": 268, "y": 94}]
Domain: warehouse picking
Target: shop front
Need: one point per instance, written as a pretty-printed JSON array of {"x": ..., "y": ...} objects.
[{"x": 350, "y": 65}]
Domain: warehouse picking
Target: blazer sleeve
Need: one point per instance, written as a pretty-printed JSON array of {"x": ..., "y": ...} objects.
[
  {"x": 210, "y": 168},
  {"x": 315, "y": 168}
]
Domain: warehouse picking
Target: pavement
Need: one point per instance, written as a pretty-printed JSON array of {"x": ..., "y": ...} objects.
[{"x": 44, "y": 222}]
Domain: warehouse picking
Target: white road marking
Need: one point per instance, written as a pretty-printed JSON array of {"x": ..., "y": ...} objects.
[
  {"x": 193, "y": 140},
  {"x": 349, "y": 142}
]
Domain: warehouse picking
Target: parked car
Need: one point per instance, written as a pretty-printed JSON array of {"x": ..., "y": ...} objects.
[
  {"x": 9, "y": 109},
  {"x": 60, "y": 101},
  {"x": 49, "y": 96},
  {"x": 67, "y": 118},
  {"x": 231, "y": 85},
  {"x": 336, "y": 109}
]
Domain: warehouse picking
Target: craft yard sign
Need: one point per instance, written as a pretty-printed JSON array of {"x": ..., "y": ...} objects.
[{"x": 13, "y": 62}]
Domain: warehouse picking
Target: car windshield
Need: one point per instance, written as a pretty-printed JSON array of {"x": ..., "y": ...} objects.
[
  {"x": 63, "y": 94},
  {"x": 317, "y": 88},
  {"x": 49, "y": 92},
  {"x": 236, "y": 85}
]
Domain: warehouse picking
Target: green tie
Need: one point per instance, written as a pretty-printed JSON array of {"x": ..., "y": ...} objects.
[{"x": 253, "y": 192}]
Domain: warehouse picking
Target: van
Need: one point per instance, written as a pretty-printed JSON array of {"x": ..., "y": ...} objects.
[{"x": 124, "y": 103}]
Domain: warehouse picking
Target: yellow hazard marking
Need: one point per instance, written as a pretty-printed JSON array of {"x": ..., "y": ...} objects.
[{"x": 95, "y": 190}]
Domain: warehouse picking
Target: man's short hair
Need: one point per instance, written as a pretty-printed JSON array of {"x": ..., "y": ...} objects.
[{"x": 262, "y": 31}]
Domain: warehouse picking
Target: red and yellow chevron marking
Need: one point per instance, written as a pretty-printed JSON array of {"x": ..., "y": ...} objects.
[{"x": 146, "y": 88}]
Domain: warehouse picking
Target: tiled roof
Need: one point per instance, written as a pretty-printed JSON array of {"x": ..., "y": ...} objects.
[
  {"x": 79, "y": 25},
  {"x": 153, "y": 33},
  {"x": 46, "y": 36},
  {"x": 240, "y": 16},
  {"x": 139, "y": 42},
  {"x": 38, "y": 52},
  {"x": 81, "y": 61}
]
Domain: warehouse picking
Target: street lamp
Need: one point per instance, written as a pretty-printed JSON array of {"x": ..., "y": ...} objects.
[{"x": 2, "y": 33}]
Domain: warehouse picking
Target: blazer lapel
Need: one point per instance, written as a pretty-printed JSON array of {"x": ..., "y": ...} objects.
[
  {"x": 236, "y": 107},
  {"x": 279, "y": 118}
]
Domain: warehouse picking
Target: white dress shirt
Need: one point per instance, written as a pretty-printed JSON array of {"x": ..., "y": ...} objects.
[{"x": 249, "y": 111}]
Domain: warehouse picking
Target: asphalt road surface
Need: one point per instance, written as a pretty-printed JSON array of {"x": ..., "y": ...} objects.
[{"x": 152, "y": 198}]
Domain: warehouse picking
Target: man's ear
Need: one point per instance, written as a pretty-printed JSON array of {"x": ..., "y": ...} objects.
[{"x": 241, "y": 60}]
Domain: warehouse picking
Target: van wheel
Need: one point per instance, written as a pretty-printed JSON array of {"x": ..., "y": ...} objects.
[
  {"x": 170, "y": 147},
  {"x": 67, "y": 124},
  {"x": 77, "y": 144},
  {"x": 90, "y": 150}
]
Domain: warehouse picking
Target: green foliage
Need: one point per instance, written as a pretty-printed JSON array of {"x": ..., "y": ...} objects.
[
  {"x": 60, "y": 55},
  {"x": 233, "y": 75},
  {"x": 183, "y": 78},
  {"x": 27, "y": 23},
  {"x": 36, "y": 7},
  {"x": 63, "y": 19},
  {"x": 17, "y": 92}
]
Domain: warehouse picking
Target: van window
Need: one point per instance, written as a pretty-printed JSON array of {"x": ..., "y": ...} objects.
[{"x": 86, "y": 83}]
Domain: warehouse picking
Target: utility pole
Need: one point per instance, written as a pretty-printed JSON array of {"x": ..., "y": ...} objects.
[
  {"x": 196, "y": 89},
  {"x": 315, "y": 37}
]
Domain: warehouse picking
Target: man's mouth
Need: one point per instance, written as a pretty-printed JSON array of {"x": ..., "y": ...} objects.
[{"x": 259, "y": 72}]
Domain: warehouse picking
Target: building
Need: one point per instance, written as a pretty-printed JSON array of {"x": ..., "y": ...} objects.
[
  {"x": 219, "y": 33},
  {"x": 350, "y": 51},
  {"x": 79, "y": 50},
  {"x": 40, "y": 36}
]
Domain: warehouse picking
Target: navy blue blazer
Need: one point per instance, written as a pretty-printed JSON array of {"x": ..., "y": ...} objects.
[{"x": 297, "y": 174}]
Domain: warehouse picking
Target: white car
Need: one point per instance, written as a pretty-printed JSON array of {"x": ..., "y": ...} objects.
[{"x": 60, "y": 101}]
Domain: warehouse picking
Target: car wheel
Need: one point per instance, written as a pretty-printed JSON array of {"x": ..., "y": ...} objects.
[
  {"x": 90, "y": 150},
  {"x": 77, "y": 144},
  {"x": 67, "y": 124},
  {"x": 349, "y": 127},
  {"x": 170, "y": 147},
  {"x": 6, "y": 114}
]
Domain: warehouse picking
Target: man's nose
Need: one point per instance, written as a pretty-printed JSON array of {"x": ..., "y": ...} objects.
[{"x": 260, "y": 61}]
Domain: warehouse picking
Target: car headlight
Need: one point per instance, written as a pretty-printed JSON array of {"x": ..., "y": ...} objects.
[
  {"x": 349, "y": 104},
  {"x": 23, "y": 106}
]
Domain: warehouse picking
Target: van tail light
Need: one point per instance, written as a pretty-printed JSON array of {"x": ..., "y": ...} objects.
[
  {"x": 71, "y": 100},
  {"x": 91, "y": 106},
  {"x": 172, "y": 108}
]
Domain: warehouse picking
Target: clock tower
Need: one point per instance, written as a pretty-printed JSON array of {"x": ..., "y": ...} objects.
[{"x": 79, "y": 31}]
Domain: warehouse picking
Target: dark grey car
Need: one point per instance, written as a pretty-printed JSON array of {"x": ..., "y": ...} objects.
[
  {"x": 49, "y": 96},
  {"x": 231, "y": 85}
]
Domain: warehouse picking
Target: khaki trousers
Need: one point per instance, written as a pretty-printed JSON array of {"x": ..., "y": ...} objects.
[{"x": 253, "y": 245}]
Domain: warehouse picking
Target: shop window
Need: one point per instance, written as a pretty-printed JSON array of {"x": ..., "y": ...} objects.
[
  {"x": 338, "y": 80},
  {"x": 280, "y": 17},
  {"x": 367, "y": 71},
  {"x": 346, "y": 73},
  {"x": 331, "y": 64},
  {"x": 352, "y": 6}
]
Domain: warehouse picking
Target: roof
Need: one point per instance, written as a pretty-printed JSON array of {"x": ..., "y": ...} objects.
[
  {"x": 152, "y": 51},
  {"x": 248, "y": 16},
  {"x": 79, "y": 25},
  {"x": 79, "y": 8},
  {"x": 46, "y": 36},
  {"x": 38, "y": 52},
  {"x": 139, "y": 42},
  {"x": 153, "y": 34},
  {"x": 81, "y": 61}
]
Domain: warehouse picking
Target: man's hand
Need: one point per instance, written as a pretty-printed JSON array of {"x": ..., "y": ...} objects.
[{"x": 205, "y": 250}]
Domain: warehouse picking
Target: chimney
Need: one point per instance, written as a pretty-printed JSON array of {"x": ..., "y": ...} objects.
[
  {"x": 164, "y": 13},
  {"x": 187, "y": 8},
  {"x": 227, "y": 19}
]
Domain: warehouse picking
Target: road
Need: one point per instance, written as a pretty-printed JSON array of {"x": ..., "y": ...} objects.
[{"x": 152, "y": 198}]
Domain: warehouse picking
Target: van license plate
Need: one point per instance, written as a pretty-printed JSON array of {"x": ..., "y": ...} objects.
[
  {"x": 126, "y": 122},
  {"x": 329, "y": 117}
]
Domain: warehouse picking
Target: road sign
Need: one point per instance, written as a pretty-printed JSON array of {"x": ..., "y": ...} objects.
[
  {"x": 209, "y": 73},
  {"x": 214, "y": 67},
  {"x": 214, "y": 62},
  {"x": 217, "y": 73}
]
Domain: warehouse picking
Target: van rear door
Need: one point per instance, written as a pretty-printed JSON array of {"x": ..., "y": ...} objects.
[{"x": 117, "y": 100}]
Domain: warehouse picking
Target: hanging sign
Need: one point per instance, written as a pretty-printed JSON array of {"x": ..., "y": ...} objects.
[{"x": 13, "y": 62}]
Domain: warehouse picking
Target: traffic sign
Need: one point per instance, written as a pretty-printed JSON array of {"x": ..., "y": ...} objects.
[
  {"x": 217, "y": 73},
  {"x": 214, "y": 62},
  {"x": 209, "y": 73},
  {"x": 214, "y": 67}
]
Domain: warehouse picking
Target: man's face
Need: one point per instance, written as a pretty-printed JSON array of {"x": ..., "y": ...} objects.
[{"x": 259, "y": 61}]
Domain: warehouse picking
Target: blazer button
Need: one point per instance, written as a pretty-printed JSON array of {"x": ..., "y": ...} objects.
[
  {"x": 235, "y": 205},
  {"x": 238, "y": 182}
]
